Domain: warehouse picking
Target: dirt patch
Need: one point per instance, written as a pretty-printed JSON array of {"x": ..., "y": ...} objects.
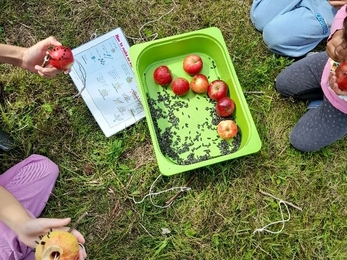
[{"x": 141, "y": 155}]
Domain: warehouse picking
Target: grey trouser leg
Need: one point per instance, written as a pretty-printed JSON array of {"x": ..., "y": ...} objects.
[{"x": 318, "y": 127}]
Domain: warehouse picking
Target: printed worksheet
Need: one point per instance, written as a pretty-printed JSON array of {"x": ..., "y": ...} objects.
[{"x": 103, "y": 71}]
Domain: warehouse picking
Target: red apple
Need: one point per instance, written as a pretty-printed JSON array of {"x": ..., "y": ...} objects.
[
  {"x": 180, "y": 86},
  {"x": 61, "y": 57},
  {"x": 227, "y": 129},
  {"x": 225, "y": 106},
  {"x": 192, "y": 64},
  {"x": 217, "y": 89},
  {"x": 162, "y": 76},
  {"x": 199, "y": 83},
  {"x": 341, "y": 75}
]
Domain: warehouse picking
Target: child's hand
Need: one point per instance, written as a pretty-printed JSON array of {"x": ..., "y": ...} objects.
[
  {"x": 32, "y": 229},
  {"x": 333, "y": 85},
  {"x": 334, "y": 48},
  {"x": 33, "y": 57},
  {"x": 337, "y": 3}
]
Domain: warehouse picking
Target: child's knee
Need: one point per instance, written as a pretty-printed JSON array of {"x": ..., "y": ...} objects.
[
  {"x": 274, "y": 38},
  {"x": 258, "y": 20},
  {"x": 302, "y": 143},
  {"x": 281, "y": 84},
  {"x": 44, "y": 165}
]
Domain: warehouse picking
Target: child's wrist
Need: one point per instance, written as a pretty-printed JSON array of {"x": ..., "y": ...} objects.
[{"x": 21, "y": 224}]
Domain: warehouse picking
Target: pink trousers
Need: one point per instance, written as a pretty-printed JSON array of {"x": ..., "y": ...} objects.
[{"x": 31, "y": 182}]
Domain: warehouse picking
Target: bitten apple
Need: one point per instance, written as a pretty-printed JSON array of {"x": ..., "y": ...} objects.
[
  {"x": 225, "y": 106},
  {"x": 227, "y": 129},
  {"x": 57, "y": 244},
  {"x": 217, "y": 89},
  {"x": 180, "y": 86},
  {"x": 341, "y": 75},
  {"x": 199, "y": 83},
  {"x": 162, "y": 76},
  {"x": 192, "y": 64}
]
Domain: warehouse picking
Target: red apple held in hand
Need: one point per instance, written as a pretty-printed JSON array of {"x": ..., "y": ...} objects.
[
  {"x": 180, "y": 86},
  {"x": 341, "y": 75},
  {"x": 192, "y": 64},
  {"x": 225, "y": 106},
  {"x": 162, "y": 76},
  {"x": 227, "y": 129},
  {"x": 61, "y": 57},
  {"x": 199, "y": 83},
  {"x": 217, "y": 89}
]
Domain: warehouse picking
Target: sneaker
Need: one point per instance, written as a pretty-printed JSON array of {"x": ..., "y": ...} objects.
[
  {"x": 6, "y": 141},
  {"x": 314, "y": 104},
  {"x": 311, "y": 53}
]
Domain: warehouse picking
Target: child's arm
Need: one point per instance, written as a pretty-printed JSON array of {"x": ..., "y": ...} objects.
[
  {"x": 11, "y": 54},
  {"x": 28, "y": 229},
  {"x": 12, "y": 212},
  {"x": 30, "y": 58}
]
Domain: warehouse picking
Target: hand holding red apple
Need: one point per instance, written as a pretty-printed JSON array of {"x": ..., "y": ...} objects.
[{"x": 341, "y": 76}]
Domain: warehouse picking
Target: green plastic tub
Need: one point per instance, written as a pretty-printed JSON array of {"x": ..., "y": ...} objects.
[{"x": 184, "y": 129}]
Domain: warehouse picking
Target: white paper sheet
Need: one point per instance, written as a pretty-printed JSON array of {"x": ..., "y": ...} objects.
[{"x": 111, "y": 92}]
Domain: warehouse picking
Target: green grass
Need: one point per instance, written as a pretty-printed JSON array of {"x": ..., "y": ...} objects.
[{"x": 99, "y": 175}]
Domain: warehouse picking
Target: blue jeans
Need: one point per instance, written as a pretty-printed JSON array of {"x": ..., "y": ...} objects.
[{"x": 292, "y": 27}]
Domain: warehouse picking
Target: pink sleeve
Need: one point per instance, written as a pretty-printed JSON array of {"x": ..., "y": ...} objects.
[
  {"x": 334, "y": 99},
  {"x": 31, "y": 181}
]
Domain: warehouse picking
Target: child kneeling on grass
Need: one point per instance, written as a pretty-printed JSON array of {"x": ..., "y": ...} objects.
[
  {"x": 294, "y": 27},
  {"x": 311, "y": 78},
  {"x": 25, "y": 188}
]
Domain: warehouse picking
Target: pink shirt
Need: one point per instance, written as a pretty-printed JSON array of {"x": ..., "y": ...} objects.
[{"x": 334, "y": 99}]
